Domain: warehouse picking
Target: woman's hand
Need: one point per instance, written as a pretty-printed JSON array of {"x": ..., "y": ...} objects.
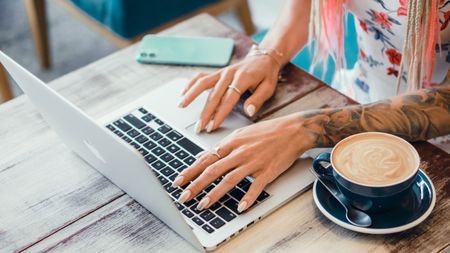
[
  {"x": 257, "y": 74},
  {"x": 263, "y": 150}
]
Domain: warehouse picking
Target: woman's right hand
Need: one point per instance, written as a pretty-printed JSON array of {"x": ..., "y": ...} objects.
[{"x": 259, "y": 74}]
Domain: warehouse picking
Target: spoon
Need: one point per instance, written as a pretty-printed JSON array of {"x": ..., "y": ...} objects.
[{"x": 354, "y": 216}]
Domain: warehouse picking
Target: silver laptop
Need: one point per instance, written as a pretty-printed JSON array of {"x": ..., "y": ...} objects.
[{"x": 143, "y": 146}]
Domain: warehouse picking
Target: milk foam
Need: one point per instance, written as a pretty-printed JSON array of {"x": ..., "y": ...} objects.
[{"x": 374, "y": 159}]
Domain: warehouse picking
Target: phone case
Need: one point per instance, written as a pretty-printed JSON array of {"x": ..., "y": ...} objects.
[{"x": 182, "y": 50}]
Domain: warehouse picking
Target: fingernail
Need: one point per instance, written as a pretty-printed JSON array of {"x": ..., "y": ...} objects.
[
  {"x": 242, "y": 206},
  {"x": 198, "y": 126},
  {"x": 210, "y": 126},
  {"x": 203, "y": 203},
  {"x": 184, "y": 196},
  {"x": 250, "y": 110},
  {"x": 181, "y": 104},
  {"x": 177, "y": 182}
]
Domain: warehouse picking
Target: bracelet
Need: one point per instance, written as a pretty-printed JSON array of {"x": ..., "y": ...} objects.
[{"x": 255, "y": 50}]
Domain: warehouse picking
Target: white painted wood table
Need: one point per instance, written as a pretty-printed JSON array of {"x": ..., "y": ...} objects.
[{"x": 53, "y": 201}]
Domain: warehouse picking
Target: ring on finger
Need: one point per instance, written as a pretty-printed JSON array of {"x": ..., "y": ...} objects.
[
  {"x": 216, "y": 153},
  {"x": 235, "y": 89}
]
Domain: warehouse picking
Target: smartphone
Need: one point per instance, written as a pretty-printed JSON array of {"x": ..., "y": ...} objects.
[{"x": 185, "y": 50}]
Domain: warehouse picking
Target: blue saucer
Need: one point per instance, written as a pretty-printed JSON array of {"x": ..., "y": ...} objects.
[{"x": 415, "y": 208}]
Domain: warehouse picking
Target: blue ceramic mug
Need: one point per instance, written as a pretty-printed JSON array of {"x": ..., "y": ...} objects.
[{"x": 366, "y": 197}]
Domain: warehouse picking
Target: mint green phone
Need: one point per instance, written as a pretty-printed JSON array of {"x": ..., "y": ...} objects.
[{"x": 184, "y": 50}]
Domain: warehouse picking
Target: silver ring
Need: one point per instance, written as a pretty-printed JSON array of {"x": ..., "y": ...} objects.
[
  {"x": 216, "y": 152},
  {"x": 234, "y": 88}
]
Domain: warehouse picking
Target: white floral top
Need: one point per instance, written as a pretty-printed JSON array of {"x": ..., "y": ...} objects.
[{"x": 381, "y": 26}]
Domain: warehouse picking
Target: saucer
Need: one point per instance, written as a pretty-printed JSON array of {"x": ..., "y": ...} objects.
[{"x": 417, "y": 206}]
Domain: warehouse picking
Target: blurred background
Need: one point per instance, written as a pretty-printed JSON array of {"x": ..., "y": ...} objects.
[{"x": 74, "y": 43}]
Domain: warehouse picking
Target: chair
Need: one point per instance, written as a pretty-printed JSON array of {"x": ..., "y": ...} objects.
[
  {"x": 124, "y": 22},
  {"x": 5, "y": 89}
]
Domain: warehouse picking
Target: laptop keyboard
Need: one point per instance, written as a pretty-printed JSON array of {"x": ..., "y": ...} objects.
[{"x": 168, "y": 153}]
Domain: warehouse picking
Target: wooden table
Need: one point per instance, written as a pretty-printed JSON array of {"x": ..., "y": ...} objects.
[{"x": 52, "y": 201}]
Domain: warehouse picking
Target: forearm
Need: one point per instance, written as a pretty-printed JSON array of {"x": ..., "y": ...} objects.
[
  {"x": 289, "y": 34},
  {"x": 416, "y": 116}
]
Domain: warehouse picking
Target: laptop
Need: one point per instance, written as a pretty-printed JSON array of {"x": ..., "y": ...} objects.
[{"x": 144, "y": 145}]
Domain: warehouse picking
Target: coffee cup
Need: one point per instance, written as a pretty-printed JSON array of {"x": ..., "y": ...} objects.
[{"x": 373, "y": 170}]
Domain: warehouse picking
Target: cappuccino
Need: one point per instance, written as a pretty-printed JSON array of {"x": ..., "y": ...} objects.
[{"x": 375, "y": 159}]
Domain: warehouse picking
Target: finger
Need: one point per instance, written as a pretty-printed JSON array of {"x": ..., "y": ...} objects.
[
  {"x": 252, "y": 194},
  {"x": 227, "y": 103},
  {"x": 202, "y": 84},
  {"x": 195, "y": 169},
  {"x": 192, "y": 82},
  {"x": 214, "y": 98},
  {"x": 227, "y": 183},
  {"x": 208, "y": 176},
  {"x": 264, "y": 91}
]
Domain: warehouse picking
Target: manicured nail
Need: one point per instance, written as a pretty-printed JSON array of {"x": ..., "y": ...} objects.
[
  {"x": 203, "y": 203},
  {"x": 242, "y": 206},
  {"x": 250, "y": 110},
  {"x": 177, "y": 182},
  {"x": 181, "y": 104},
  {"x": 198, "y": 126},
  {"x": 184, "y": 196},
  {"x": 210, "y": 126}
]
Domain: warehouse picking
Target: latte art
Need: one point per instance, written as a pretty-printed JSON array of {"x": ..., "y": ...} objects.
[{"x": 375, "y": 159}]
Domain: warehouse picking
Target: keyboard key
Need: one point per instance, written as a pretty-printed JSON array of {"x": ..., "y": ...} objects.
[
  {"x": 189, "y": 146},
  {"x": 181, "y": 154},
  {"x": 174, "y": 135},
  {"x": 224, "y": 198},
  {"x": 164, "y": 129},
  {"x": 159, "y": 122},
  {"x": 188, "y": 213},
  {"x": 217, "y": 223},
  {"x": 198, "y": 221},
  {"x": 180, "y": 169},
  {"x": 167, "y": 157},
  {"x": 225, "y": 214},
  {"x": 175, "y": 163},
  {"x": 209, "y": 188},
  {"x": 246, "y": 187},
  {"x": 173, "y": 176},
  {"x": 208, "y": 228},
  {"x": 262, "y": 196},
  {"x": 150, "y": 158},
  {"x": 122, "y": 125},
  {"x": 200, "y": 196},
  {"x": 158, "y": 151},
  {"x": 141, "y": 139},
  {"x": 133, "y": 133},
  {"x": 190, "y": 160},
  {"x": 173, "y": 148},
  {"x": 148, "y": 118},
  {"x": 179, "y": 206},
  {"x": 149, "y": 145},
  {"x": 125, "y": 138},
  {"x": 118, "y": 133},
  {"x": 232, "y": 205},
  {"x": 243, "y": 183},
  {"x": 192, "y": 202},
  {"x": 134, "y": 121},
  {"x": 237, "y": 194},
  {"x": 215, "y": 206},
  {"x": 195, "y": 210},
  {"x": 167, "y": 171},
  {"x": 142, "y": 110},
  {"x": 135, "y": 145},
  {"x": 207, "y": 215},
  {"x": 110, "y": 127},
  {"x": 147, "y": 130},
  {"x": 176, "y": 194},
  {"x": 157, "y": 165},
  {"x": 163, "y": 180},
  {"x": 143, "y": 152},
  {"x": 218, "y": 180},
  {"x": 164, "y": 142},
  {"x": 155, "y": 136},
  {"x": 169, "y": 188}
]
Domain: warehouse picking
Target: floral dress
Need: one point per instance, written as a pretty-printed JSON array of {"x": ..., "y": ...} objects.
[{"x": 380, "y": 27}]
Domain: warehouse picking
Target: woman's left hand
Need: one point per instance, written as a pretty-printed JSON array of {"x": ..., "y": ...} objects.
[{"x": 263, "y": 150}]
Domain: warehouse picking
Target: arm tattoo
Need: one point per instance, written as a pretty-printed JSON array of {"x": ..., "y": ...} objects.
[{"x": 421, "y": 115}]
